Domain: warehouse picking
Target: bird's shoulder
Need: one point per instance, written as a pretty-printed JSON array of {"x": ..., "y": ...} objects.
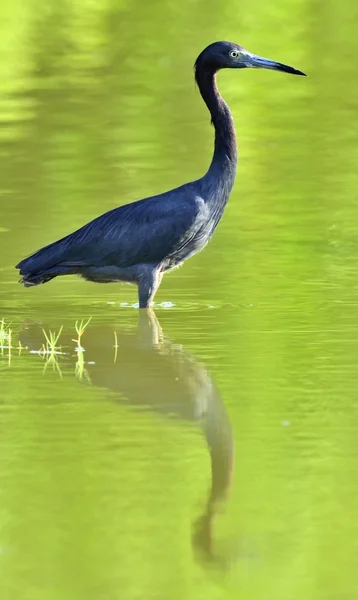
[{"x": 184, "y": 201}]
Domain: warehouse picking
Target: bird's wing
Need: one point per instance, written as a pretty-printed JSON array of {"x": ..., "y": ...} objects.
[{"x": 146, "y": 231}]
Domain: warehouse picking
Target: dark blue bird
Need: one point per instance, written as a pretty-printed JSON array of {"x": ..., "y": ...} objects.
[{"x": 139, "y": 242}]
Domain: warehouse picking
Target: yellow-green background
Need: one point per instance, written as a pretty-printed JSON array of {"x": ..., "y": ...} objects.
[{"x": 98, "y": 498}]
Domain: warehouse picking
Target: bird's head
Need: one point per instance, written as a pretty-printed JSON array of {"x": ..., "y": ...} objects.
[{"x": 226, "y": 55}]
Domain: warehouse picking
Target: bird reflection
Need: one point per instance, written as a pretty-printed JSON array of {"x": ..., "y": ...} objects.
[{"x": 147, "y": 370}]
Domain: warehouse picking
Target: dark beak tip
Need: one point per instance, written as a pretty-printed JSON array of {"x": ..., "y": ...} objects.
[{"x": 293, "y": 71}]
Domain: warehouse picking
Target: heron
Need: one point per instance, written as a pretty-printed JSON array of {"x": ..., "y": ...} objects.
[{"x": 140, "y": 241}]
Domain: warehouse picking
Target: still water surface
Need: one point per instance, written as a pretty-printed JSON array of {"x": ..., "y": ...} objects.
[{"x": 207, "y": 450}]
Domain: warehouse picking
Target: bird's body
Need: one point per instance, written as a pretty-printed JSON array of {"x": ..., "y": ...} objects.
[{"x": 139, "y": 242}]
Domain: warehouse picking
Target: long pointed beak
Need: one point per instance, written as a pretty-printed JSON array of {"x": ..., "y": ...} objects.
[{"x": 258, "y": 62}]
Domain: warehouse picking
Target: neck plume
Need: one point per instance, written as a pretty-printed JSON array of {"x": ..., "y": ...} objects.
[{"x": 221, "y": 174}]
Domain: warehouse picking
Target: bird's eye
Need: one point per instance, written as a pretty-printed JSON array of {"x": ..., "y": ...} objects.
[{"x": 234, "y": 54}]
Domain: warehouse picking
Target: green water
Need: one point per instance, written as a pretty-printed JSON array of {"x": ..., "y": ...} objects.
[{"x": 208, "y": 451}]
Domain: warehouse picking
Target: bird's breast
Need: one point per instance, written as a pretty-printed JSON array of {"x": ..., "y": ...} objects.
[{"x": 192, "y": 242}]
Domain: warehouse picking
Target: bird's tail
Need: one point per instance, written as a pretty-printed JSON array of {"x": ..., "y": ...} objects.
[
  {"x": 44, "y": 265},
  {"x": 32, "y": 278},
  {"x": 35, "y": 279}
]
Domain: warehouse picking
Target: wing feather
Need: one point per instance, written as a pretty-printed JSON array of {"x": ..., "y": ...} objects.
[{"x": 146, "y": 231}]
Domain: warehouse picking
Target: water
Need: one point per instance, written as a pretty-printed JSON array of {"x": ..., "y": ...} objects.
[{"x": 209, "y": 450}]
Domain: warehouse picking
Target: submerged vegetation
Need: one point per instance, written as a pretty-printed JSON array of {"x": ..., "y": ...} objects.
[
  {"x": 81, "y": 371},
  {"x": 6, "y": 339},
  {"x": 50, "y": 350}
]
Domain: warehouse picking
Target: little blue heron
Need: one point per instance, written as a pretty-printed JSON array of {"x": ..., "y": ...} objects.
[{"x": 139, "y": 242}]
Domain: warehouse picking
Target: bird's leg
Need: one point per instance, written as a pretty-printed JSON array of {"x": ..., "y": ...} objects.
[
  {"x": 148, "y": 284},
  {"x": 149, "y": 330}
]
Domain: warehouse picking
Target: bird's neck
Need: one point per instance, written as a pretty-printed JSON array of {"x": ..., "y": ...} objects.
[{"x": 219, "y": 179}]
